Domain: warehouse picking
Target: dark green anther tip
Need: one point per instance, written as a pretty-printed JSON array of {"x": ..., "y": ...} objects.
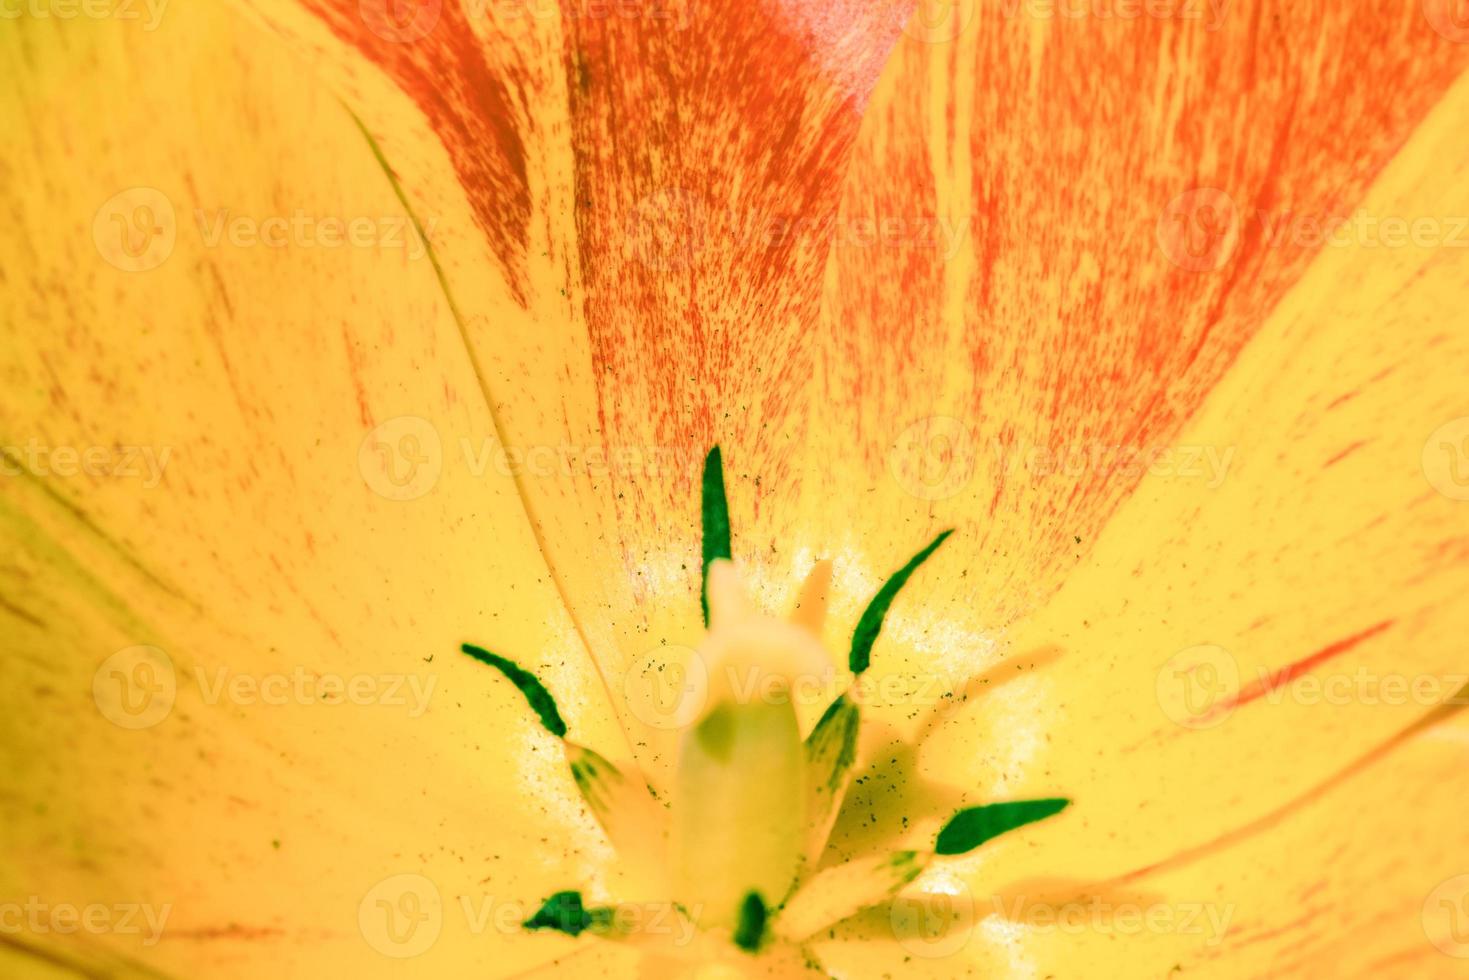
[
  {"x": 971, "y": 827},
  {"x": 751, "y": 929},
  {"x": 715, "y": 521},
  {"x": 870, "y": 625},
  {"x": 531, "y": 688},
  {"x": 563, "y": 912}
]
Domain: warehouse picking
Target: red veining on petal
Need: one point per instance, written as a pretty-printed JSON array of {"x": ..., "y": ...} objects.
[
  {"x": 1344, "y": 453},
  {"x": 231, "y": 931},
  {"x": 708, "y": 161},
  {"x": 1297, "y": 804},
  {"x": 469, "y": 102},
  {"x": 1078, "y": 328},
  {"x": 1391, "y": 964},
  {"x": 1290, "y": 672}
]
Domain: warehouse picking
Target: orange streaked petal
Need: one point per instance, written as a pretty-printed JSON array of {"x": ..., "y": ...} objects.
[
  {"x": 1228, "y": 649},
  {"x": 1020, "y": 309}
]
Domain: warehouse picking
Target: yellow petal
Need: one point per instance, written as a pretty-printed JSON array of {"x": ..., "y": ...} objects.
[
  {"x": 623, "y": 253},
  {"x": 738, "y": 809},
  {"x": 831, "y": 751},
  {"x": 636, "y": 824},
  {"x": 1002, "y": 359},
  {"x": 1364, "y": 879},
  {"x": 842, "y": 890},
  {"x": 729, "y": 606},
  {"x": 1306, "y": 604},
  {"x": 1243, "y": 698},
  {"x": 1062, "y": 314},
  {"x": 810, "y": 608},
  {"x": 234, "y": 692}
]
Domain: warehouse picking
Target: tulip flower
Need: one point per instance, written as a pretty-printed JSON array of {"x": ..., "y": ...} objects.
[{"x": 660, "y": 488}]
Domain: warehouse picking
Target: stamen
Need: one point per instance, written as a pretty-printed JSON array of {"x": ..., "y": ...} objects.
[
  {"x": 810, "y": 611},
  {"x": 831, "y": 748},
  {"x": 870, "y": 624},
  {"x": 841, "y": 891},
  {"x": 751, "y": 930},
  {"x": 738, "y": 809},
  {"x": 752, "y": 804},
  {"x": 715, "y": 510},
  {"x": 563, "y": 912},
  {"x": 970, "y": 828},
  {"x": 535, "y": 692}
]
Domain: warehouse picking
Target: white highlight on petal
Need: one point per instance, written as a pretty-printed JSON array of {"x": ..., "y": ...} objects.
[{"x": 1008, "y": 937}]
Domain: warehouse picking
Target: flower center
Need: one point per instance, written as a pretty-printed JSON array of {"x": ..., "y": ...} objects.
[
  {"x": 739, "y": 806},
  {"x": 754, "y": 802}
]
